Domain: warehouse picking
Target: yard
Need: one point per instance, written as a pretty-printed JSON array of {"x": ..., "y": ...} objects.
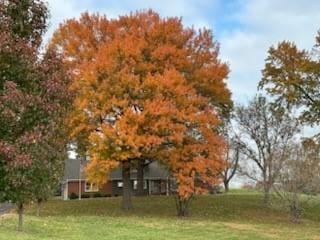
[{"x": 237, "y": 215}]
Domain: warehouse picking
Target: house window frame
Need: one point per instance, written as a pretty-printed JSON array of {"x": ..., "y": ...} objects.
[
  {"x": 92, "y": 187},
  {"x": 135, "y": 184}
]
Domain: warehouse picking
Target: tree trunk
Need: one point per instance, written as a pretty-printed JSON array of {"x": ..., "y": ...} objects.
[
  {"x": 182, "y": 206},
  {"x": 140, "y": 178},
  {"x": 226, "y": 186},
  {"x": 20, "y": 214},
  {"x": 266, "y": 195},
  {"x": 126, "y": 195},
  {"x": 295, "y": 209},
  {"x": 39, "y": 203}
]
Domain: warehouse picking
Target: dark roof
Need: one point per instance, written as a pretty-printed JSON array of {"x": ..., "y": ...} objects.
[
  {"x": 153, "y": 171},
  {"x": 72, "y": 169}
]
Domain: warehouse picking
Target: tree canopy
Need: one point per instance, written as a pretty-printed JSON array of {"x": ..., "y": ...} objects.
[
  {"x": 146, "y": 86},
  {"x": 293, "y": 77},
  {"x": 33, "y": 103}
]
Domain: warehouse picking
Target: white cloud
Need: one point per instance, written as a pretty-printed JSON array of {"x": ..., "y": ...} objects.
[
  {"x": 264, "y": 23},
  {"x": 258, "y": 25}
]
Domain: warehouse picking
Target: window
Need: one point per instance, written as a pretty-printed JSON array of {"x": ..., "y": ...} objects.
[
  {"x": 120, "y": 184},
  {"x": 155, "y": 186},
  {"x": 135, "y": 184},
  {"x": 91, "y": 187}
]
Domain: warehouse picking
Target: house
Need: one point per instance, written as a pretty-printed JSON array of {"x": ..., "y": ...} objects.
[{"x": 156, "y": 181}]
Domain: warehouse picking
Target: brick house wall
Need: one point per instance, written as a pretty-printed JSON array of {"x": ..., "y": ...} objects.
[{"x": 73, "y": 187}]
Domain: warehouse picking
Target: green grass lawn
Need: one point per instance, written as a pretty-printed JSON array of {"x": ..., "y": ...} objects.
[{"x": 237, "y": 215}]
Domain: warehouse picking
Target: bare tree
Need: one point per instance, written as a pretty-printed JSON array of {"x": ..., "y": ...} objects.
[
  {"x": 299, "y": 181},
  {"x": 232, "y": 154},
  {"x": 266, "y": 134}
]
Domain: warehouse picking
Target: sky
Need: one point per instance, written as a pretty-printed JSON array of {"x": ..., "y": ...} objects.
[{"x": 245, "y": 29}]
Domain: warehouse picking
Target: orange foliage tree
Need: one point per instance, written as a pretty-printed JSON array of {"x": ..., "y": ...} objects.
[{"x": 146, "y": 87}]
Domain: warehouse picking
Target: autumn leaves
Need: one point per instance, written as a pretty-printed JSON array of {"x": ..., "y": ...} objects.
[
  {"x": 146, "y": 87},
  {"x": 33, "y": 104}
]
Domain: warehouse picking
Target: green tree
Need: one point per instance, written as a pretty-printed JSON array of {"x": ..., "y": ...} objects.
[{"x": 33, "y": 103}]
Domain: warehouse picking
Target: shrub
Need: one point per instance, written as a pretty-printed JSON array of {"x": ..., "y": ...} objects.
[
  {"x": 85, "y": 195},
  {"x": 73, "y": 196},
  {"x": 97, "y": 195}
]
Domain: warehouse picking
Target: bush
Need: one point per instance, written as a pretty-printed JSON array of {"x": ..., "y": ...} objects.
[
  {"x": 97, "y": 195},
  {"x": 85, "y": 195},
  {"x": 73, "y": 196},
  {"x": 107, "y": 195}
]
